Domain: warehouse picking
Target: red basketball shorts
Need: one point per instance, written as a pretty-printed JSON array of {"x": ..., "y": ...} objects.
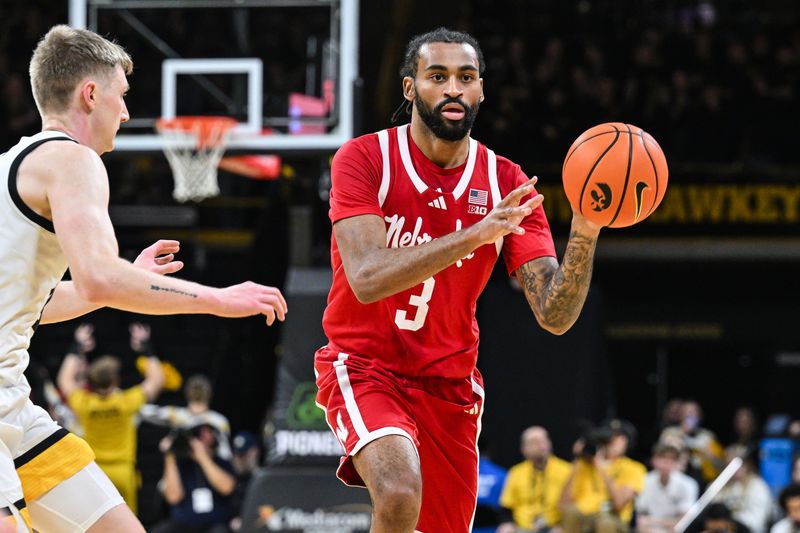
[{"x": 440, "y": 416}]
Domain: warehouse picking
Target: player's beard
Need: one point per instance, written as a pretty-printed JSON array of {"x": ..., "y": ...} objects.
[{"x": 447, "y": 130}]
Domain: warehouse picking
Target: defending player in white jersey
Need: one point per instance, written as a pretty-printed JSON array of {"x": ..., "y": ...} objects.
[{"x": 54, "y": 215}]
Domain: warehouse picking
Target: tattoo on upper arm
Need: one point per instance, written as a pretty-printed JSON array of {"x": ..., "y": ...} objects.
[
  {"x": 556, "y": 293},
  {"x": 173, "y": 291}
]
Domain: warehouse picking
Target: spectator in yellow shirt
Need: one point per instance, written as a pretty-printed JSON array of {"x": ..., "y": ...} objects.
[
  {"x": 601, "y": 490},
  {"x": 106, "y": 412},
  {"x": 533, "y": 487}
]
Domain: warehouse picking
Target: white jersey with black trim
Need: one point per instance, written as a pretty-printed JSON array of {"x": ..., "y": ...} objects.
[{"x": 31, "y": 265}]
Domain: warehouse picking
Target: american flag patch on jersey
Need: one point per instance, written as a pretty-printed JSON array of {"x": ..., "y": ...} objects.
[{"x": 478, "y": 197}]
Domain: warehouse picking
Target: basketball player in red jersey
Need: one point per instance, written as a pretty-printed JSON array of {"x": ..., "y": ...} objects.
[{"x": 420, "y": 215}]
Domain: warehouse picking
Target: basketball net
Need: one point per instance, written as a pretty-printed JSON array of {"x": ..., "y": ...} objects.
[{"x": 194, "y": 147}]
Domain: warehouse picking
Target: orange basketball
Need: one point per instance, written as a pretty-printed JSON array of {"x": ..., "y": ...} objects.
[{"x": 615, "y": 174}]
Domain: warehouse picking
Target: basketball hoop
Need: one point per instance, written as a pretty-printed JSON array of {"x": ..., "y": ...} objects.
[{"x": 194, "y": 147}]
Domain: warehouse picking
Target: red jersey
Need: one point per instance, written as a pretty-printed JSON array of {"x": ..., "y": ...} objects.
[{"x": 430, "y": 329}]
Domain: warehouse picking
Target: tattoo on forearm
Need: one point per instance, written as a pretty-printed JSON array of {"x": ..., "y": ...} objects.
[
  {"x": 556, "y": 295},
  {"x": 173, "y": 291}
]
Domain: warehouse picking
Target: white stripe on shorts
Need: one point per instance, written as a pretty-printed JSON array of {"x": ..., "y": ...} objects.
[
  {"x": 382, "y": 432},
  {"x": 349, "y": 399},
  {"x": 364, "y": 436},
  {"x": 477, "y": 389}
]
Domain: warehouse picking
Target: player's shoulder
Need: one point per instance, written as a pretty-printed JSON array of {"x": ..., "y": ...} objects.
[
  {"x": 359, "y": 157},
  {"x": 367, "y": 144},
  {"x": 61, "y": 156},
  {"x": 65, "y": 149},
  {"x": 506, "y": 168}
]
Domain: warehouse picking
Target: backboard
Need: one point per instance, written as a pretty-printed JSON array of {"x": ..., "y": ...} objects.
[{"x": 284, "y": 69}]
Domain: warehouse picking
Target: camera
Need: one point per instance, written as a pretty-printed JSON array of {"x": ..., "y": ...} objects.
[
  {"x": 180, "y": 443},
  {"x": 593, "y": 440},
  {"x": 181, "y": 436}
]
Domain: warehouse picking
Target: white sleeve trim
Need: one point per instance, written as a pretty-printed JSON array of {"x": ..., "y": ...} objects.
[{"x": 383, "y": 139}]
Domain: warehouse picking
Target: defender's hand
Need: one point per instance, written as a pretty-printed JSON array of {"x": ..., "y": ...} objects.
[{"x": 248, "y": 299}]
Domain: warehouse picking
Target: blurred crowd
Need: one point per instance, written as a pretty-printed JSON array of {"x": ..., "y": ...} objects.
[
  {"x": 713, "y": 82},
  {"x": 608, "y": 484},
  {"x": 22, "y": 24},
  {"x": 603, "y": 490}
]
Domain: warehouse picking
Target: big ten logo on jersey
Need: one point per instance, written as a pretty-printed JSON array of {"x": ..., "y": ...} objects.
[{"x": 478, "y": 199}]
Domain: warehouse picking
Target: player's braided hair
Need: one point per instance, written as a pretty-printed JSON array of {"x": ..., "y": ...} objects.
[{"x": 411, "y": 58}]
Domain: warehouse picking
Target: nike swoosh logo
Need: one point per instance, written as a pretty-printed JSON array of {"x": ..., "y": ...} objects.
[{"x": 640, "y": 187}]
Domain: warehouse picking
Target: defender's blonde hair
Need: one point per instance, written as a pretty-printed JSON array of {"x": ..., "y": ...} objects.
[{"x": 64, "y": 57}]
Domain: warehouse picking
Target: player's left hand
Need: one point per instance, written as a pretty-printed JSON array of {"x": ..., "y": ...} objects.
[{"x": 158, "y": 257}]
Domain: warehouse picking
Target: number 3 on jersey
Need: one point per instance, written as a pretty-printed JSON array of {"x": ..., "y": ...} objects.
[{"x": 421, "y": 303}]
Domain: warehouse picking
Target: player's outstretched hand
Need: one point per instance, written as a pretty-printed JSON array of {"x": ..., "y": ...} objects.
[
  {"x": 507, "y": 215},
  {"x": 248, "y": 299},
  {"x": 158, "y": 257}
]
